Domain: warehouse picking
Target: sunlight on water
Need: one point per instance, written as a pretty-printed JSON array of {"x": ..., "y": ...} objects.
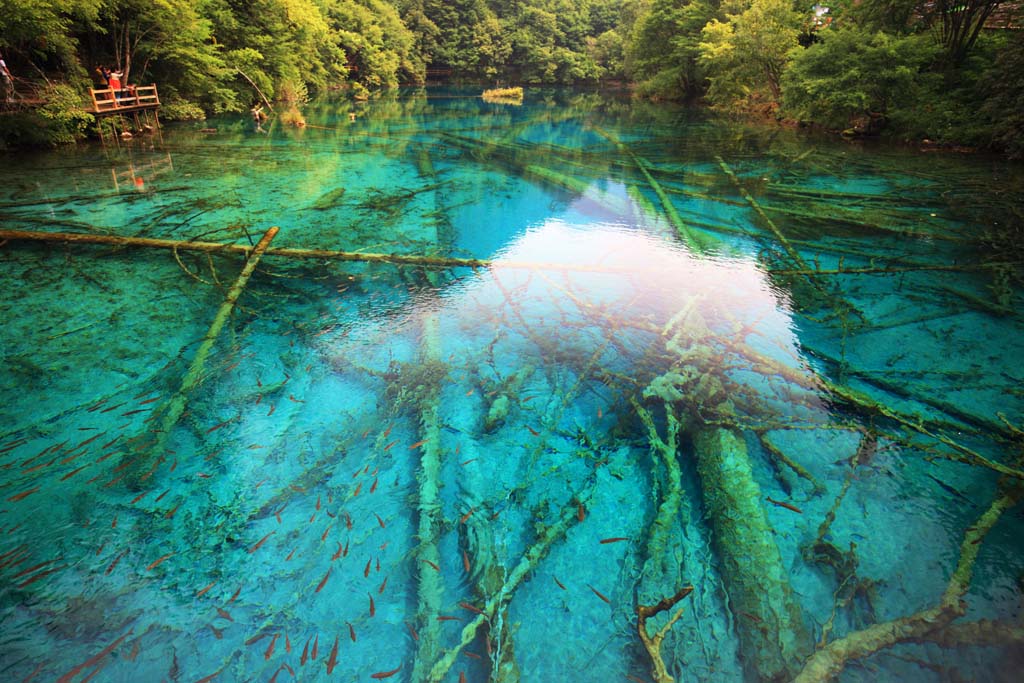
[{"x": 780, "y": 371}]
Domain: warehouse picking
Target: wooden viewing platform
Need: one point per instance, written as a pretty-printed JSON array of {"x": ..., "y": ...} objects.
[{"x": 127, "y": 100}]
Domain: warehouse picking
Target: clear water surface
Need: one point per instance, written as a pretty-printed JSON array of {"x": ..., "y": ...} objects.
[{"x": 667, "y": 376}]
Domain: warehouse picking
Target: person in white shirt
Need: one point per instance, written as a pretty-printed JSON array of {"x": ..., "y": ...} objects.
[{"x": 8, "y": 81}]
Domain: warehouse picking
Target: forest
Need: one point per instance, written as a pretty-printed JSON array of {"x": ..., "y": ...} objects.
[{"x": 946, "y": 72}]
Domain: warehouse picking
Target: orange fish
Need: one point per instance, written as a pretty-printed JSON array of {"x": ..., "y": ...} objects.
[
  {"x": 560, "y": 585},
  {"x": 467, "y": 515},
  {"x": 471, "y": 608},
  {"x": 348, "y": 522},
  {"x": 386, "y": 674},
  {"x": 386, "y": 432},
  {"x": 116, "y": 560},
  {"x": 217, "y": 426},
  {"x": 337, "y": 553},
  {"x": 287, "y": 644},
  {"x": 599, "y": 594},
  {"x": 581, "y": 512},
  {"x": 273, "y": 407},
  {"x": 465, "y": 561},
  {"x": 333, "y": 660},
  {"x": 203, "y": 592},
  {"x": 374, "y": 486},
  {"x": 533, "y": 431},
  {"x": 373, "y": 610},
  {"x": 95, "y": 659},
  {"x": 784, "y": 504},
  {"x": 289, "y": 558},
  {"x": 599, "y": 413},
  {"x": 223, "y": 614},
  {"x": 379, "y": 520},
  {"x": 614, "y": 539},
  {"x": 417, "y": 445},
  {"x": 157, "y": 561},
  {"x": 323, "y": 537},
  {"x": 73, "y": 472},
  {"x": 470, "y": 392},
  {"x": 412, "y": 631},
  {"x": 443, "y": 617},
  {"x": 366, "y": 572},
  {"x": 235, "y": 596},
  {"x": 22, "y": 496},
  {"x": 382, "y": 585},
  {"x": 351, "y": 632},
  {"x": 359, "y": 487},
  {"x": 40, "y": 575},
  {"x": 388, "y": 447},
  {"x": 432, "y": 565},
  {"x": 316, "y": 640},
  {"x": 323, "y": 581},
  {"x": 305, "y": 652},
  {"x": 462, "y": 677},
  {"x": 270, "y": 648},
  {"x": 261, "y": 542}
]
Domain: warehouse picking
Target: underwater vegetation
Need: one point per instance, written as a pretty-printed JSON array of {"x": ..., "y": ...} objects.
[{"x": 579, "y": 390}]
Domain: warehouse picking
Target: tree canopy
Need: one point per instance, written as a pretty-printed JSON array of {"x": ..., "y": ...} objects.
[{"x": 925, "y": 68}]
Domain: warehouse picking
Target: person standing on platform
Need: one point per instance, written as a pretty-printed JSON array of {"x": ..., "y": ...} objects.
[
  {"x": 8, "y": 81},
  {"x": 114, "y": 80}
]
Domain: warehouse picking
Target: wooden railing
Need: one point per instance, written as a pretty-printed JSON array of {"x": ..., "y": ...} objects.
[{"x": 106, "y": 100}]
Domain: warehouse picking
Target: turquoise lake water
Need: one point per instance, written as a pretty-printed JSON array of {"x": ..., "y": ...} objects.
[{"x": 783, "y": 370}]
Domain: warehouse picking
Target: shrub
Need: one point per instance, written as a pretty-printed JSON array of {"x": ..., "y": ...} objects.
[
  {"x": 182, "y": 110},
  {"x": 851, "y": 74}
]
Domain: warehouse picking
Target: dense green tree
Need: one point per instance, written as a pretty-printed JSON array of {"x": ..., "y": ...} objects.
[
  {"x": 42, "y": 30},
  {"x": 470, "y": 38},
  {"x": 665, "y": 47},
  {"x": 379, "y": 48},
  {"x": 852, "y": 76},
  {"x": 1003, "y": 92},
  {"x": 746, "y": 54}
]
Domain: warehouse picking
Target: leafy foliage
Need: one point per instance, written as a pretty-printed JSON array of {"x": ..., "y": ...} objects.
[
  {"x": 928, "y": 69},
  {"x": 665, "y": 47},
  {"x": 1004, "y": 97},
  {"x": 745, "y": 55},
  {"x": 851, "y": 74}
]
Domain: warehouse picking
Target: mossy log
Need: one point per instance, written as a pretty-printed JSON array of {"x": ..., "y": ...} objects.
[
  {"x": 319, "y": 254},
  {"x": 500, "y": 600},
  {"x": 173, "y": 408},
  {"x": 430, "y": 590},
  {"x": 772, "y": 634},
  {"x": 689, "y": 238},
  {"x": 829, "y": 661}
]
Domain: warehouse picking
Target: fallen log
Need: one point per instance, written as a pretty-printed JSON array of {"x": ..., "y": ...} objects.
[
  {"x": 174, "y": 407},
  {"x": 828, "y": 662},
  {"x": 323, "y": 254}
]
